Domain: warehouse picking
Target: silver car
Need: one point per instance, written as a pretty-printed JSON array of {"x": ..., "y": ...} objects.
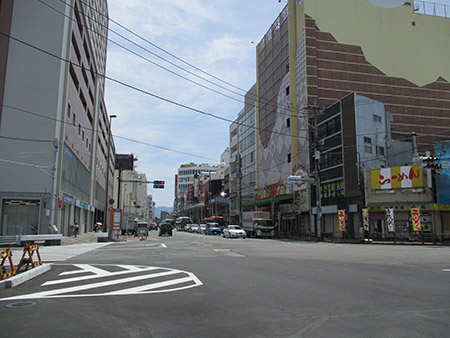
[
  {"x": 194, "y": 228},
  {"x": 201, "y": 228},
  {"x": 234, "y": 231}
]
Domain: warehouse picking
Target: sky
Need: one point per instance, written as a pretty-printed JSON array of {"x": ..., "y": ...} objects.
[{"x": 165, "y": 115}]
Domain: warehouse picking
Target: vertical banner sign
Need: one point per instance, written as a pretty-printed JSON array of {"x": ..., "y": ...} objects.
[
  {"x": 365, "y": 213},
  {"x": 390, "y": 220},
  {"x": 415, "y": 216},
  {"x": 341, "y": 215}
]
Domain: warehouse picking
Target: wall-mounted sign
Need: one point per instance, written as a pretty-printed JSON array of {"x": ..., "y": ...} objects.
[{"x": 397, "y": 177}]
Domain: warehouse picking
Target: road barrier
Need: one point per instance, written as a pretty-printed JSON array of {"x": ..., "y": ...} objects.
[
  {"x": 6, "y": 254},
  {"x": 30, "y": 250}
]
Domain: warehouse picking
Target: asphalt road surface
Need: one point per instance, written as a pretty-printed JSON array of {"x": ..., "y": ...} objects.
[{"x": 191, "y": 285}]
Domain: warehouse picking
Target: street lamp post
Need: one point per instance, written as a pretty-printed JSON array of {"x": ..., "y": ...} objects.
[{"x": 105, "y": 218}]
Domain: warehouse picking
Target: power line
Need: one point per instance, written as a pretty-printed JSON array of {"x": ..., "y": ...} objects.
[
  {"x": 268, "y": 101},
  {"x": 115, "y": 136}
]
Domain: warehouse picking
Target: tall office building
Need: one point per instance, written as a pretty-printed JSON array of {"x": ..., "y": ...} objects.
[
  {"x": 319, "y": 51},
  {"x": 54, "y": 127}
]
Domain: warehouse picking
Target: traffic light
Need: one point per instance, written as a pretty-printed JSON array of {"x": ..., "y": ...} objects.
[
  {"x": 430, "y": 162},
  {"x": 60, "y": 204},
  {"x": 158, "y": 184}
]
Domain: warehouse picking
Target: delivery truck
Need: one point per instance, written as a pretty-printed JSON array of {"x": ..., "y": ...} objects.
[{"x": 258, "y": 224}]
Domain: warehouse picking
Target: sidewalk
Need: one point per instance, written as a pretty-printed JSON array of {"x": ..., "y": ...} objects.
[{"x": 87, "y": 237}]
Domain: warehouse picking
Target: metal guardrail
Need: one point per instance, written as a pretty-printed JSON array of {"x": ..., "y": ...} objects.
[
  {"x": 431, "y": 8},
  {"x": 19, "y": 239},
  {"x": 8, "y": 239}
]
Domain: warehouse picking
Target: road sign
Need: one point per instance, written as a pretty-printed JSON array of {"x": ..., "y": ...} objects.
[{"x": 299, "y": 180}]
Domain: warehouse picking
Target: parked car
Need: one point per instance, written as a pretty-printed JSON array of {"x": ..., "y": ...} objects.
[
  {"x": 201, "y": 228},
  {"x": 234, "y": 231},
  {"x": 165, "y": 228},
  {"x": 194, "y": 228},
  {"x": 212, "y": 228},
  {"x": 187, "y": 227}
]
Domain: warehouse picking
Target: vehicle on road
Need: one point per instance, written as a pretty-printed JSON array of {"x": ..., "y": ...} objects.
[
  {"x": 258, "y": 224},
  {"x": 194, "y": 227},
  {"x": 217, "y": 219},
  {"x": 181, "y": 222},
  {"x": 234, "y": 231},
  {"x": 141, "y": 229},
  {"x": 201, "y": 228},
  {"x": 187, "y": 227},
  {"x": 165, "y": 229},
  {"x": 153, "y": 226},
  {"x": 212, "y": 228}
]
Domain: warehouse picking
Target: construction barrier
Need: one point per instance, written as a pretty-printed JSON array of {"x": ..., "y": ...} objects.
[
  {"x": 7, "y": 255},
  {"x": 30, "y": 250}
]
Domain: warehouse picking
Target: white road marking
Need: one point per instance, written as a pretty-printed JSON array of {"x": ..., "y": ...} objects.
[
  {"x": 101, "y": 275},
  {"x": 185, "y": 280},
  {"x": 163, "y": 245}
]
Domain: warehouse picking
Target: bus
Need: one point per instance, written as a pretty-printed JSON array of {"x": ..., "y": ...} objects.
[
  {"x": 181, "y": 222},
  {"x": 217, "y": 219}
]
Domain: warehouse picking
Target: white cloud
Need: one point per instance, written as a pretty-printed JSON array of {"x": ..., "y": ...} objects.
[{"x": 214, "y": 36}]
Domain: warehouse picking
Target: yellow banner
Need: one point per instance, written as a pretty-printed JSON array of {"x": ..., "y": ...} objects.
[
  {"x": 365, "y": 213},
  {"x": 415, "y": 216},
  {"x": 396, "y": 177},
  {"x": 341, "y": 216}
]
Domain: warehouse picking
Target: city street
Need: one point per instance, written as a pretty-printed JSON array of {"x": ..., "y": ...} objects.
[{"x": 192, "y": 285}]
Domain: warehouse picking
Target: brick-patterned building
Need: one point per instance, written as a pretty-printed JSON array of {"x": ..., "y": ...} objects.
[{"x": 317, "y": 52}]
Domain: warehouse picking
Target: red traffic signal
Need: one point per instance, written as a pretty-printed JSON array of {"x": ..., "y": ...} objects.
[
  {"x": 60, "y": 204},
  {"x": 158, "y": 184}
]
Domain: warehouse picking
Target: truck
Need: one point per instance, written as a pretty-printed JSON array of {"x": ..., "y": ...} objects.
[{"x": 258, "y": 224}]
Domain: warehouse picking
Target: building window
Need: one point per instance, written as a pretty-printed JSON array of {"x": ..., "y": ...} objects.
[
  {"x": 74, "y": 120},
  {"x": 377, "y": 118},
  {"x": 287, "y": 90},
  {"x": 368, "y": 149},
  {"x": 381, "y": 151},
  {"x": 288, "y": 122},
  {"x": 73, "y": 76},
  {"x": 79, "y": 128},
  {"x": 367, "y": 140},
  {"x": 69, "y": 108},
  {"x": 289, "y": 158}
]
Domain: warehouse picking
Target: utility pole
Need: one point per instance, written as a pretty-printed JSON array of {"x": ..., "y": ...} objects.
[
  {"x": 315, "y": 112},
  {"x": 240, "y": 188},
  {"x": 52, "y": 195},
  {"x": 105, "y": 218}
]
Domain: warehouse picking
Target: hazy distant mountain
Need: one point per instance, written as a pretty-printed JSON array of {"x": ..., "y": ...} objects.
[{"x": 159, "y": 209}]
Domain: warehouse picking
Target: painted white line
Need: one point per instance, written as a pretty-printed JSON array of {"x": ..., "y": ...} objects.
[
  {"x": 163, "y": 245},
  {"x": 64, "y": 292},
  {"x": 82, "y": 278},
  {"x": 148, "y": 287},
  {"x": 447, "y": 270}
]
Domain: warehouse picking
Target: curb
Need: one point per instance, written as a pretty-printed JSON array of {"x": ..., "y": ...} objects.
[{"x": 24, "y": 276}]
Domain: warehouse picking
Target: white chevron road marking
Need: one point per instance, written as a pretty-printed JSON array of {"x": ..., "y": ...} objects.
[{"x": 151, "y": 279}]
